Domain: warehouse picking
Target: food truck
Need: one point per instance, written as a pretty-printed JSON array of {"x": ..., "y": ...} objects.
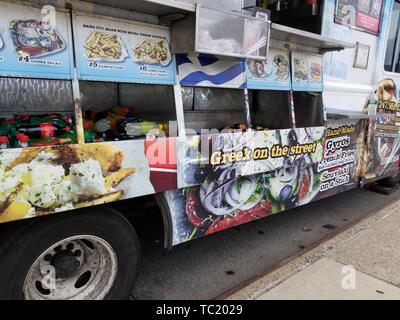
[{"x": 224, "y": 112}]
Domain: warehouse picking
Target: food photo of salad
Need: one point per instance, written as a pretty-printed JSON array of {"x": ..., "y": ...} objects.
[{"x": 35, "y": 38}]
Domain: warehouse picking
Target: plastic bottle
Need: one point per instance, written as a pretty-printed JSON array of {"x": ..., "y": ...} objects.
[
  {"x": 53, "y": 118},
  {"x": 22, "y": 140},
  {"x": 90, "y": 136},
  {"x": 102, "y": 125},
  {"x": 140, "y": 129},
  {"x": 43, "y": 130},
  {"x": 4, "y": 142}
]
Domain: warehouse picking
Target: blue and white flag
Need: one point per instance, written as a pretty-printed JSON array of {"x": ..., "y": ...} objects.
[{"x": 211, "y": 71}]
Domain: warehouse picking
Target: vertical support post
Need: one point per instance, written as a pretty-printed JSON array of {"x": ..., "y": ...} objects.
[
  {"x": 180, "y": 117},
  {"x": 324, "y": 111},
  {"x": 76, "y": 92},
  {"x": 247, "y": 108},
  {"x": 80, "y": 132},
  {"x": 291, "y": 108}
]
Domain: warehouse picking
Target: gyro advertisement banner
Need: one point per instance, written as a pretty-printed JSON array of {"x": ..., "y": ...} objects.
[
  {"x": 338, "y": 168},
  {"x": 307, "y": 73},
  {"x": 272, "y": 74},
  {"x": 382, "y": 144},
  {"x": 35, "y": 42},
  {"x": 108, "y": 50}
]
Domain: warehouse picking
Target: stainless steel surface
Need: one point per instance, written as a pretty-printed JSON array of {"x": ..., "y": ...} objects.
[
  {"x": 151, "y": 7},
  {"x": 152, "y": 102},
  {"x": 188, "y": 98},
  {"x": 183, "y": 34},
  {"x": 98, "y": 95},
  {"x": 340, "y": 113},
  {"x": 215, "y": 108},
  {"x": 206, "y": 32},
  {"x": 20, "y": 95},
  {"x": 180, "y": 118},
  {"x": 94, "y": 7},
  {"x": 247, "y": 107},
  {"x": 304, "y": 38},
  {"x": 231, "y": 5},
  {"x": 213, "y": 99}
]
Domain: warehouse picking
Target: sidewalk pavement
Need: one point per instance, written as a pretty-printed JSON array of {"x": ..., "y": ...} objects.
[{"x": 362, "y": 263}]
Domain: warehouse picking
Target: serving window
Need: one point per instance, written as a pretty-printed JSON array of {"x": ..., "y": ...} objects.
[
  {"x": 270, "y": 110},
  {"x": 117, "y": 111},
  {"x": 308, "y": 109},
  {"x": 213, "y": 108},
  {"x": 35, "y": 112}
]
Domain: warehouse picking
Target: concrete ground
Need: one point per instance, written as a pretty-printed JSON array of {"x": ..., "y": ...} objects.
[
  {"x": 362, "y": 263},
  {"x": 217, "y": 265}
]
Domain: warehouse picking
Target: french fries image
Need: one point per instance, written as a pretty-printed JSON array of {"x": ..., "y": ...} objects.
[
  {"x": 54, "y": 179},
  {"x": 102, "y": 46}
]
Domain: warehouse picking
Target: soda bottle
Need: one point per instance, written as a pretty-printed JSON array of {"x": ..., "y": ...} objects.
[
  {"x": 22, "y": 140},
  {"x": 102, "y": 126},
  {"x": 90, "y": 136},
  {"x": 54, "y": 118},
  {"x": 4, "y": 142},
  {"x": 43, "y": 130}
]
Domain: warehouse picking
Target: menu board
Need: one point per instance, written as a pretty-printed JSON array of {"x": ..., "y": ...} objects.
[
  {"x": 108, "y": 50},
  {"x": 307, "y": 72},
  {"x": 272, "y": 74},
  {"x": 31, "y": 45},
  {"x": 361, "y": 14}
]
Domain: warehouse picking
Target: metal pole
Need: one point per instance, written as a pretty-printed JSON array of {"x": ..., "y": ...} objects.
[
  {"x": 291, "y": 108},
  {"x": 76, "y": 92},
  {"x": 247, "y": 107}
]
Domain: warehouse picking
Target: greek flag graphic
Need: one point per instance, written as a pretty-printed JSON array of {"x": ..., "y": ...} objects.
[{"x": 211, "y": 71}]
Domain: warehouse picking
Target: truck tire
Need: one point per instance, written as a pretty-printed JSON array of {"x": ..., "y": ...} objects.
[{"x": 93, "y": 254}]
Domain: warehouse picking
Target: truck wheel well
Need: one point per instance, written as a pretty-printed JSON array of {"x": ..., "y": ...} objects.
[{"x": 142, "y": 205}]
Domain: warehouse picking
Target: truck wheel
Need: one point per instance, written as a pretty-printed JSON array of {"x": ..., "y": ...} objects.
[{"x": 93, "y": 254}]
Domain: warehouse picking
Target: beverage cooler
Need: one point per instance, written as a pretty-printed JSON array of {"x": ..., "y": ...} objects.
[{"x": 36, "y": 112}]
